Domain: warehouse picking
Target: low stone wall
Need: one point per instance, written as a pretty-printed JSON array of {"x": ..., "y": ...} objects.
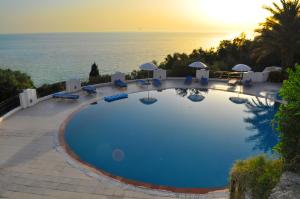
[{"x": 288, "y": 187}]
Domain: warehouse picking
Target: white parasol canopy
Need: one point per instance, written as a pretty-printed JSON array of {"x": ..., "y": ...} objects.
[
  {"x": 198, "y": 65},
  {"x": 148, "y": 67},
  {"x": 242, "y": 68}
]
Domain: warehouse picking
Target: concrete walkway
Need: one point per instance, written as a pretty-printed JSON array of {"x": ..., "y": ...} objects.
[{"x": 32, "y": 167}]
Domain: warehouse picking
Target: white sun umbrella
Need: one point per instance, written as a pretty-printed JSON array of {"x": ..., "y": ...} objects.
[
  {"x": 148, "y": 67},
  {"x": 241, "y": 68},
  {"x": 198, "y": 65}
]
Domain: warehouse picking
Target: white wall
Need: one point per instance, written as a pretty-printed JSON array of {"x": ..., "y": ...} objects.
[
  {"x": 73, "y": 85},
  {"x": 202, "y": 73},
  {"x": 28, "y": 98},
  {"x": 160, "y": 74},
  {"x": 256, "y": 76}
]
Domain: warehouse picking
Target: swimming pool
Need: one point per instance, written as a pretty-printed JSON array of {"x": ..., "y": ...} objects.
[{"x": 174, "y": 142}]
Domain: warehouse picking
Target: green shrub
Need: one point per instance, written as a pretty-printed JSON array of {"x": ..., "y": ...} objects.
[
  {"x": 276, "y": 76},
  {"x": 12, "y": 82},
  {"x": 48, "y": 89},
  {"x": 138, "y": 74},
  {"x": 289, "y": 121},
  {"x": 256, "y": 176},
  {"x": 99, "y": 79}
]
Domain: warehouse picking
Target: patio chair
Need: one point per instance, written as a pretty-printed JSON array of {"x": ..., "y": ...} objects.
[
  {"x": 141, "y": 82},
  {"x": 204, "y": 81},
  {"x": 188, "y": 80},
  {"x": 247, "y": 83},
  {"x": 156, "y": 82},
  {"x": 89, "y": 89},
  {"x": 120, "y": 83}
]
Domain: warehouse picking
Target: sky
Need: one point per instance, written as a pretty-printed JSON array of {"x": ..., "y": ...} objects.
[{"x": 41, "y": 16}]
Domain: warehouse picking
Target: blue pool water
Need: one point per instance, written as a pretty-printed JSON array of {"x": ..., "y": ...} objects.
[{"x": 173, "y": 142}]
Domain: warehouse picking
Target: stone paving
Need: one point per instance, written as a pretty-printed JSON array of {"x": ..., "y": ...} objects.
[{"x": 32, "y": 167}]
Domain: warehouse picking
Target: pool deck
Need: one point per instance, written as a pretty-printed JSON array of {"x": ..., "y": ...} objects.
[{"x": 33, "y": 166}]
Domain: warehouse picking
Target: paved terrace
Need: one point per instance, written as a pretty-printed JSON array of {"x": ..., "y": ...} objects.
[{"x": 32, "y": 167}]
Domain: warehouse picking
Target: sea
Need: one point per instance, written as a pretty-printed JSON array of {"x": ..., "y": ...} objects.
[{"x": 54, "y": 57}]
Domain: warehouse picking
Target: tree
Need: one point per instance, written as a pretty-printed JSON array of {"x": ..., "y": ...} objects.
[
  {"x": 94, "y": 74},
  {"x": 94, "y": 70},
  {"x": 235, "y": 52},
  {"x": 12, "y": 82},
  {"x": 289, "y": 121},
  {"x": 279, "y": 35}
]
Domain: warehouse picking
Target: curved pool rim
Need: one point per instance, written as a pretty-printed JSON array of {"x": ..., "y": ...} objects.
[{"x": 148, "y": 186}]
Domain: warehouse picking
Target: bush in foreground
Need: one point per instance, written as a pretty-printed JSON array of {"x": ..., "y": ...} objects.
[
  {"x": 255, "y": 177},
  {"x": 289, "y": 121}
]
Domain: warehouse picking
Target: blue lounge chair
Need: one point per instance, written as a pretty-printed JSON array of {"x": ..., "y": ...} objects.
[
  {"x": 188, "y": 80},
  {"x": 141, "y": 82},
  {"x": 65, "y": 96},
  {"x": 156, "y": 82},
  {"x": 120, "y": 83},
  {"x": 90, "y": 89},
  {"x": 247, "y": 83},
  {"x": 204, "y": 81},
  {"x": 116, "y": 97}
]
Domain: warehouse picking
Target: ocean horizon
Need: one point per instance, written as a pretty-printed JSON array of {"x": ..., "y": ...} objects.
[{"x": 54, "y": 57}]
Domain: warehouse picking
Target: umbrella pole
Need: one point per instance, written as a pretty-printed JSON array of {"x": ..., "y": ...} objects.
[
  {"x": 148, "y": 83},
  {"x": 241, "y": 82}
]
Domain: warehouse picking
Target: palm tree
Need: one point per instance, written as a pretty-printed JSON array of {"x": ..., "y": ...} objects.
[{"x": 280, "y": 33}]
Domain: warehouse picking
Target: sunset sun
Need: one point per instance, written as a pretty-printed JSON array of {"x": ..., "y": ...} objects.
[{"x": 230, "y": 12}]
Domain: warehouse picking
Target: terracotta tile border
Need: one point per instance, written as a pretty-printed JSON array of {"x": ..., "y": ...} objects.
[{"x": 137, "y": 184}]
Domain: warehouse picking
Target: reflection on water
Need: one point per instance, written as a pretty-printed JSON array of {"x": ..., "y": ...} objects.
[
  {"x": 183, "y": 92},
  {"x": 262, "y": 121}
]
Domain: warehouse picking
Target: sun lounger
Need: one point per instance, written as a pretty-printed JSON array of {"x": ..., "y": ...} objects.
[
  {"x": 188, "y": 80},
  {"x": 65, "y": 96},
  {"x": 120, "y": 83},
  {"x": 204, "y": 81},
  {"x": 156, "y": 82},
  {"x": 90, "y": 89},
  {"x": 141, "y": 82},
  {"x": 116, "y": 97},
  {"x": 233, "y": 82}
]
